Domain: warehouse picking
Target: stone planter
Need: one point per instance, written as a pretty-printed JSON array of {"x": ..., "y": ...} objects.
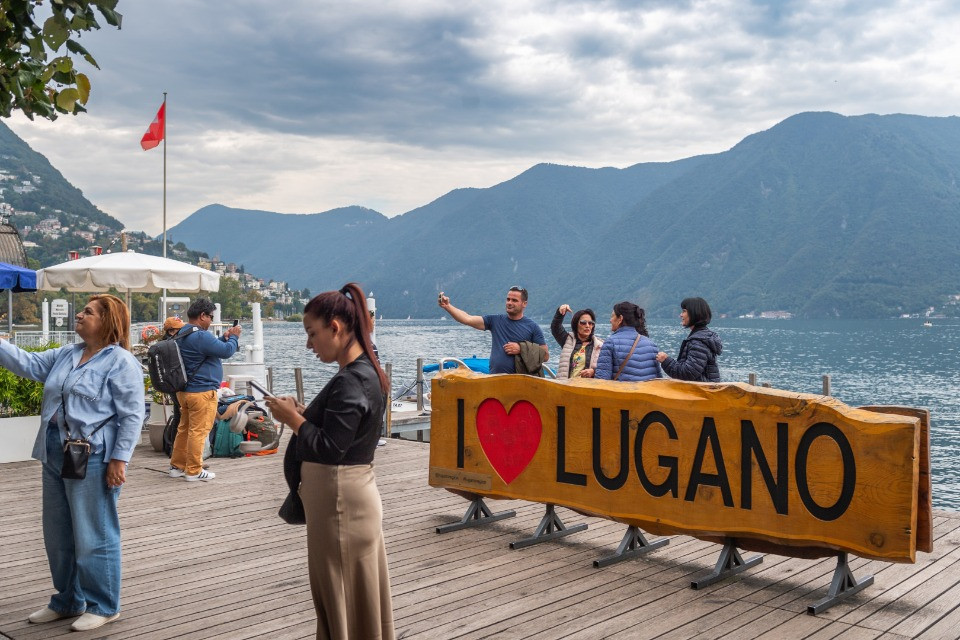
[
  {"x": 156, "y": 423},
  {"x": 17, "y": 436}
]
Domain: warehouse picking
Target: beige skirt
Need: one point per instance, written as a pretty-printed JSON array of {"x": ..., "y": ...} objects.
[{"x": 347, "y": 559}]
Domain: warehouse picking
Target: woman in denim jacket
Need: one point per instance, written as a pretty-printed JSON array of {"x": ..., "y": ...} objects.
[{"x": 97, "y": 382}]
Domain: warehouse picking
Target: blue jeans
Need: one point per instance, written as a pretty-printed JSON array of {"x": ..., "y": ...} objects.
[{"x": 81, "y": 532}]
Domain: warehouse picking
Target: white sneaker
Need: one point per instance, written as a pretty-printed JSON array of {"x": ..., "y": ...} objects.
[
  {"x": 48, "y": 615},
  {"x": 203, "y": 475},
  {"x": 381, "y": 442},
  {"x": 89, "y": 621},
  {"x": 173, "y": 472}
]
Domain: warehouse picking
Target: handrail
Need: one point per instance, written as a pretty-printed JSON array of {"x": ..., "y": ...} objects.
[{"x": 460, "y": 363}]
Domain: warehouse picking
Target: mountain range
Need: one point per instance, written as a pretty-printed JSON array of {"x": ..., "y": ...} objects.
[{"x": 822, "y": 215}]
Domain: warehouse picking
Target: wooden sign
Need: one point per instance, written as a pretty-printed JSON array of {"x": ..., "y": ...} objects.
[{"x": 794, "y": 473}]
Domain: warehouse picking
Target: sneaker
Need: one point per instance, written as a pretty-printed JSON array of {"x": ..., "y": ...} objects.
[
  {"x": 173, "y": 472},
  {"x": 89, "y": 621},
  {"x": 48, "y": 615},
  {"x": 203, "y": 475}
]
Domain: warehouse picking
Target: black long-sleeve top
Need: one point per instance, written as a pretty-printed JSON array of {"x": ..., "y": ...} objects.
[{"x": 343, "y": 422}]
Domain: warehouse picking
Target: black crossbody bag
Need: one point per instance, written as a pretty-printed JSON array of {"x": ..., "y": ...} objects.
[{"x": 76, "y": 453}]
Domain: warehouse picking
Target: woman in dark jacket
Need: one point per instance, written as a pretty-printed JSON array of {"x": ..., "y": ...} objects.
[
  {"x": 336, "y": 436},
  {"x": 628, "y": 354},
  {"x": 699, "y": 350},
  {"x": 581, "y": 348}
]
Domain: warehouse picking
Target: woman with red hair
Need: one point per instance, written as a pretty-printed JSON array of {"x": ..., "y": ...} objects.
[{"x": 93, "y": 392}]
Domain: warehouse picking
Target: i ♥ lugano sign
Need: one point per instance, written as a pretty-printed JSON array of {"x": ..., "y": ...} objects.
[{"x": 779, "y": 471}]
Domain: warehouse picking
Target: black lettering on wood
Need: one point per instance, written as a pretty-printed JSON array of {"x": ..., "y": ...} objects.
[
  {"x": 708, "y": 433},
  {"x": 671, "y": 484},
  {"x": 612, "y": 483},
  {"x": 567, "y": 477},
  {"x": 848, "y": 483},
  {"x": 750, "y": 447},
  {"x": 459, "y": 433}
]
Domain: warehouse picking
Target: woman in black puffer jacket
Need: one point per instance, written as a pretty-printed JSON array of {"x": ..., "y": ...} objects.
[{"x": 698, "y": 352}]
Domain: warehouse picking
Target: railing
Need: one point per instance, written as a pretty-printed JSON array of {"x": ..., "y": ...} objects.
[{"x": 36, "y": 339}]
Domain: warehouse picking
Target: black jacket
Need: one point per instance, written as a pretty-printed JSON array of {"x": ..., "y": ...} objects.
[{"x": 698, "y": 358}]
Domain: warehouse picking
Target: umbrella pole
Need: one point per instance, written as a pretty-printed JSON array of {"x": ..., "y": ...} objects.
[{"x": 10, "y": 311}]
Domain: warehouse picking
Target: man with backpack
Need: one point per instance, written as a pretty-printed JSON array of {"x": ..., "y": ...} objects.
[{"x": 202, "y": 353}]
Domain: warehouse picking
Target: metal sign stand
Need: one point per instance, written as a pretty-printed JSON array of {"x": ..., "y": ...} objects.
[
  {"x": 843, "y": 585},
  {"x": 729, "y": 563},
  {"x": 478, "y": 513},
  {"x": 634, "y": 544},
  {"x": 551, "y": 527}
]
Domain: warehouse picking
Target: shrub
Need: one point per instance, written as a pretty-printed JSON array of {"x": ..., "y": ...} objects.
[{"x": 20, "y": 396}]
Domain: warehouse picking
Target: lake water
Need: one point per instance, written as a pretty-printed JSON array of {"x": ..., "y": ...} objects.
[{"x": 898, "y": 362}]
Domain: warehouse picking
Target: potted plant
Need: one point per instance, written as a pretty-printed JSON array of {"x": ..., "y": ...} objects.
[
  {"x": 20, "y": 401},
  {"x": 161, "y": 408}
]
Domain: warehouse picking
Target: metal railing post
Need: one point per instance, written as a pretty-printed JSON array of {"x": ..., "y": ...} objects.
[
  {"x": 387, "y": 423},
  {"x": 419, "y": 385}
]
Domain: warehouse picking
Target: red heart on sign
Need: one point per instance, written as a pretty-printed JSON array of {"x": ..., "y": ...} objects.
[{"x": 509, "y": 440}]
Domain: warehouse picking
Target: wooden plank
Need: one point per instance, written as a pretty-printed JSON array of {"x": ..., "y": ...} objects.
[
  {"x": 211, "y": 560},
  {"x": 925, "y": 484}
]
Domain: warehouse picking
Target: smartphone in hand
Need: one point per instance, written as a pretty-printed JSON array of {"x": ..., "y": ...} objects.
[{"x": 263, "y": 391}]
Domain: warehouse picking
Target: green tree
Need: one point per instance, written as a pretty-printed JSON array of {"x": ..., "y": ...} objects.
[
  {"x": 230, "y": 297},
  {"x": 31, "y": 80}
]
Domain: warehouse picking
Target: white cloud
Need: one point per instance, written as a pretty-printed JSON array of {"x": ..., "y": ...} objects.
[{"x": 305, "y": 106}]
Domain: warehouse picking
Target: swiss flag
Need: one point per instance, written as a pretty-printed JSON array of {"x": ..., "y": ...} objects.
[{"x": 156, "y": 130}]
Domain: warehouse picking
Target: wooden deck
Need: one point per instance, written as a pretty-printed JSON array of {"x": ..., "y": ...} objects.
[{"x": 212, "y": 560}]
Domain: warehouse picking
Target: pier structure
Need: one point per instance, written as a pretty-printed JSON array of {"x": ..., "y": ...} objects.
[{"x": 213, "y": 561}]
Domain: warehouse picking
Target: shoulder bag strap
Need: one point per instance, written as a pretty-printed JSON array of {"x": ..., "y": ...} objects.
[{"x": 627, "y": 359}]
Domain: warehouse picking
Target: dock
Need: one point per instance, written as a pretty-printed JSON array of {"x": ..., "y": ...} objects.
[{"x": 211, "y": 560}]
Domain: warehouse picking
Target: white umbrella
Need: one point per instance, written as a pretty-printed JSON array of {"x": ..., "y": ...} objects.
[{"x": 128, "y": 272}]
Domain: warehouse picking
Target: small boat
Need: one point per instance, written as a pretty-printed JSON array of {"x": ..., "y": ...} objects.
[{"x": 928, "y": 324}]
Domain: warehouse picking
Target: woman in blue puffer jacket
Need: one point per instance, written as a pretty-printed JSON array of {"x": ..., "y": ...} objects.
[
  {"x": 699, "y": 350},
  {"x": 628, "y": 354}
]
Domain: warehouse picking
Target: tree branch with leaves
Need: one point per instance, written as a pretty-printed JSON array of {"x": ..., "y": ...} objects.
[{"x": 38, "y": 74}]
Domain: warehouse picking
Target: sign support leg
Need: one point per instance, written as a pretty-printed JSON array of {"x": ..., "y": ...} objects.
[
  {"x": 633, "y": 545},
  {"x": 478, "y": 513},
  {"x": 551, "y": 527},
  {"x": 843, "y": 585},
  {"x": 729, "y": 563}
]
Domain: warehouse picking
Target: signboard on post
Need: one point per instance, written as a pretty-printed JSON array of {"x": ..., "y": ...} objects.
[
  {"x": 715, "y": 461},
  {"x": 59, "y": 308}
]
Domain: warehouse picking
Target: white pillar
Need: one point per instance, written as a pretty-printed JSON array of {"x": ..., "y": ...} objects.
[
  {"x": 372, "y": 308},
  {"x": 255, "y": 355},
  {"x": 45, "y": 324}
]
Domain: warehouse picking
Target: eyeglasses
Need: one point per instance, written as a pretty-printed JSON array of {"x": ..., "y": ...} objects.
[
  {"x": 587, "y": 323},
  {"x": 517, "y": 288}
]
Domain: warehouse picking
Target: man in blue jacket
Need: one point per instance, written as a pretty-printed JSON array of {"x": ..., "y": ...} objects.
[{"x": 202, "y": 353}]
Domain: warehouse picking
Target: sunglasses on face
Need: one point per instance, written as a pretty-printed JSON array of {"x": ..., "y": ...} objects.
[{"x": 587, "y": 323}]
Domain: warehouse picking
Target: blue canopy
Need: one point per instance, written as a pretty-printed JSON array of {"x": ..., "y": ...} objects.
[
  {"x": 480, "y": 365},
  {"x": 17, "y": 278}
]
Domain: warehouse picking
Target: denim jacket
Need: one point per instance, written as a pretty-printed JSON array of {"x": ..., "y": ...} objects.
[{"x": 108, "y": 387}]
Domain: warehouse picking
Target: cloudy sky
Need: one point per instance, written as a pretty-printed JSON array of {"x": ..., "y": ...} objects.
[{"x": 302, "y": 106}]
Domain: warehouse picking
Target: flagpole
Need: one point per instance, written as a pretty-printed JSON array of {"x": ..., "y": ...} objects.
[
  {"x": 164, "y": 175},
  {"x": 163, "y": 301}
]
